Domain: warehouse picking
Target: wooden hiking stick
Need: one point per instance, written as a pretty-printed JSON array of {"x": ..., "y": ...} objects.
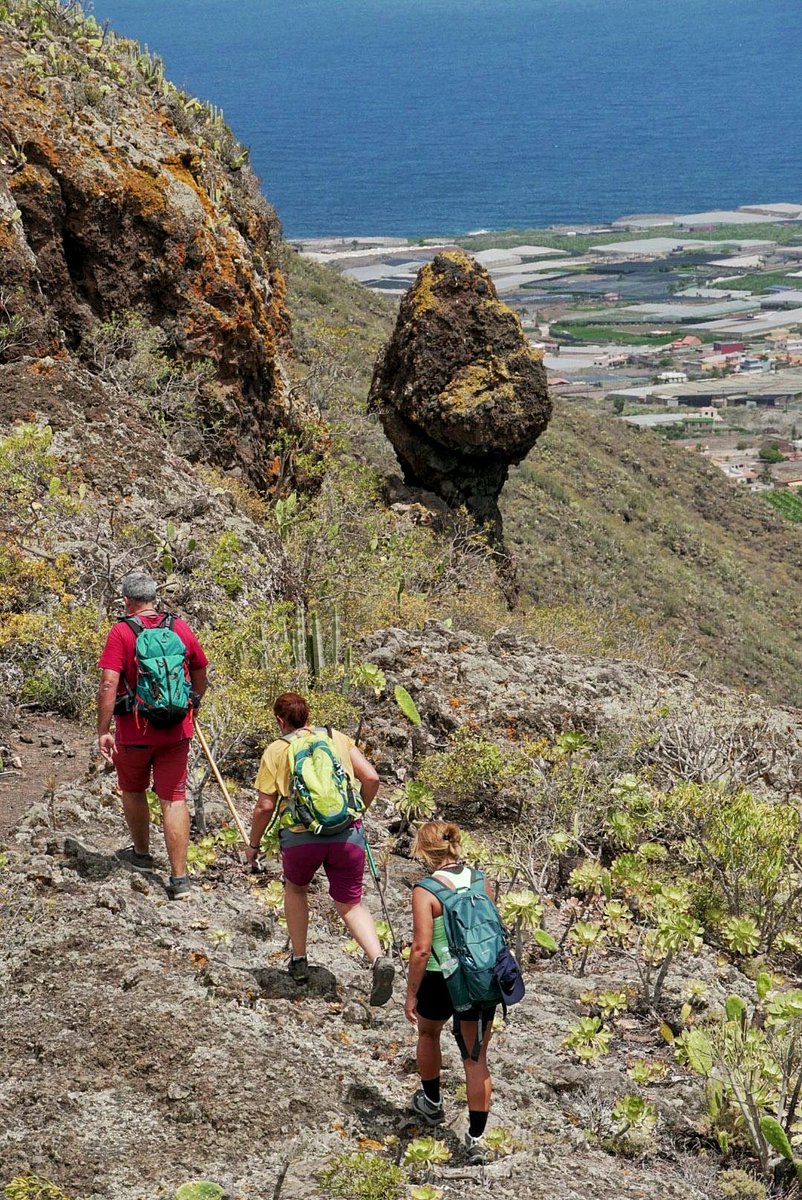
[{"x": 220, "y": 783}]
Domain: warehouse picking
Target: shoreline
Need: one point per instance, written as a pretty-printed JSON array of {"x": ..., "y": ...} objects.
[{"x": 772, "y": 212}]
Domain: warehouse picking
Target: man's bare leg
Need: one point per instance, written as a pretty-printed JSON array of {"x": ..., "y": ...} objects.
[
  {"x": 175, "y": 821},
  {"x": 137, "y": 817}
]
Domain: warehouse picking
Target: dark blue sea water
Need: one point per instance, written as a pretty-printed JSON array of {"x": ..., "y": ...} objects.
[{"x": 427, "y": 117}]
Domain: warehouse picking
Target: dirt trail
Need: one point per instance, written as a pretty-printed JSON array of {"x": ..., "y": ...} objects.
[{"x": 42, "y": 753}]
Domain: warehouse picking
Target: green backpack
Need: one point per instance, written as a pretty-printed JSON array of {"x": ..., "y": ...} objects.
[
  {"x": 322, "y": 797},
  {"x": 162, "y": 685}
]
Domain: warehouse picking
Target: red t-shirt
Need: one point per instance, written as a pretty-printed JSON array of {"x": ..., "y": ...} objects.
[{"x": 118, "y": 655}]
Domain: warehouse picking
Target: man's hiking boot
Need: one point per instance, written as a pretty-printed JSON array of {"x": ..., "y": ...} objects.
[
  {"x": 433, "y": 1114},
  {"x": 383, "y": 976},
  {"x": 298, "y": 969},
  {"x": 132, "y": 858},
  {"x": 180, "y": 887},
  {"x": 477, "y": 1150}
]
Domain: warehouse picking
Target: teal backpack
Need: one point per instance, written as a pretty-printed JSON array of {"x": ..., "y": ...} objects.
[
  {"x": 162, "y": 686},
  {"x": 476, "y": 937},
  {"x": 322, "y": 797}
]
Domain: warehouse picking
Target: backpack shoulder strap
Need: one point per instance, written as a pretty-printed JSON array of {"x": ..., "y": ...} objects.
[
  {"x": 167, "y": 621},
  {"x": 439, "y": 890},
  {"x": 136, "y": 626},
  {"x": 132, "y": 623},
  {"x": 289, "y": 738}
]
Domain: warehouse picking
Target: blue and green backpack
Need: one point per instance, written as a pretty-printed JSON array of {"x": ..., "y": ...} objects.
[
  {"x": 162, "y": 687},
  {"x": 479, "y": 970},
  {"x": 475, "y": 935}
]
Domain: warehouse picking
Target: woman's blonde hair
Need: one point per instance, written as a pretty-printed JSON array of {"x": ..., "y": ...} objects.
[{"x": 437, "y": 842}]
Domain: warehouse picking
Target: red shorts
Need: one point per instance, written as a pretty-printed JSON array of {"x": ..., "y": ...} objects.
[{"x": 167, "y": 763}]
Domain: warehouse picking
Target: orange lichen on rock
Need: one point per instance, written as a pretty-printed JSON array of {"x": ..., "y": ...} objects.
[{"x": 121, "y": 212}]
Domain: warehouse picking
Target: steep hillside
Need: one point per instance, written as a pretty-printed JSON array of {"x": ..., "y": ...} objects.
[{"x": 603, "y": 514}]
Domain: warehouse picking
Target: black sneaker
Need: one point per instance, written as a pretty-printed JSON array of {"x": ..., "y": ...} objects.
[
  {"x": 298, "y": 969},
  {"x": 132, "y": 858},
  {"x": 383, "y": 976},
  {"x": 179, "y": 887},
  {"x": 433, "y": 1114}
]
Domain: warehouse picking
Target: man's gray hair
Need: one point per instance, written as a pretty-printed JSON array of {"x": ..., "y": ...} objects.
[{"x": 138, "y": 585}]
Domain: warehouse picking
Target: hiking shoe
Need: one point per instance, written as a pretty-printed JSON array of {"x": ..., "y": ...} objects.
[
  {"x": 298, "y": 969},
  {"x": 132, "y": 858},
  {"x": 433, "y": 1114},
  {"x": 179, "y": 887},
  {"x": 383, "y": 976},
  {"x": 477, "y": 1150}
]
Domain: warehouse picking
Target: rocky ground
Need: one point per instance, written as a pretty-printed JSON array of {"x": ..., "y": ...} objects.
[{"x": 148, "y": 1042}]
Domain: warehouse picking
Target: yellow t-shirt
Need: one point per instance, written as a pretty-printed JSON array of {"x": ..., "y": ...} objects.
[{"x": 273, "y": 775}]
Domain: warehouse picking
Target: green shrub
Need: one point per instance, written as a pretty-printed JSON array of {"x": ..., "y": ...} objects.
[
  {"x": 747, "y": 855},
  {"x": 737, "y": 1185},
  {"x": 473, "y": 768},
  {"x": 53, "y": 657},
  {"x": 363, "y": 1176},
  {"x": 200, "y": 1189},
  {"x": 752, "y": 1061},
  {"x": 224, "y": 556}
]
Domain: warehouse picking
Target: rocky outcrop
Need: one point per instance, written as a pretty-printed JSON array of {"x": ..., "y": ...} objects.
[
  {"x": 458, "y": 389},
  {"x": 118, "y": 195},
  {"x": 529, "y": 690}
]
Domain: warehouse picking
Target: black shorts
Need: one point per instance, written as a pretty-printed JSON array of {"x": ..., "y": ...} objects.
[{"x": 434, "y": 1003}]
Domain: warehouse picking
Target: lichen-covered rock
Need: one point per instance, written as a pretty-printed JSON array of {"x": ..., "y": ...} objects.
[
  {"x": 460, "y": 392},
  {"x": 119, "y": 194}
]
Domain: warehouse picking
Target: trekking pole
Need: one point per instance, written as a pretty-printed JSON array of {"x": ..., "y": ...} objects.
[
  {"x": 220, "y": 782},
  {"x": 374, "y": 872}
]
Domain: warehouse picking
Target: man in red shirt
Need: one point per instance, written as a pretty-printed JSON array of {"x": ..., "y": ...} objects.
[{"x": 137, "y": 748}]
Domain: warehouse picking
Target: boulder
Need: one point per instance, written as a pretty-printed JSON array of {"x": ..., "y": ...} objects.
[{"x": 460, "y": 392}]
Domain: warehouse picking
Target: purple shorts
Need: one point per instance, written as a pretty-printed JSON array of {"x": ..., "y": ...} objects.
[{"x": 343, "y": 862}]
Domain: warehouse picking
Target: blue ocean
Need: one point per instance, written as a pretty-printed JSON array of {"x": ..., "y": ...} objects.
[{"x": 437, "y": 117}]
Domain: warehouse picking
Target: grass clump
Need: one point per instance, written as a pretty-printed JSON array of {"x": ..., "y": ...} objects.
[{"x": 33, "y": 1187}]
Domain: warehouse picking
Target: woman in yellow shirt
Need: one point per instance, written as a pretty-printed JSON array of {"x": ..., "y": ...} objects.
[{"x": 341, "y": 855}]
